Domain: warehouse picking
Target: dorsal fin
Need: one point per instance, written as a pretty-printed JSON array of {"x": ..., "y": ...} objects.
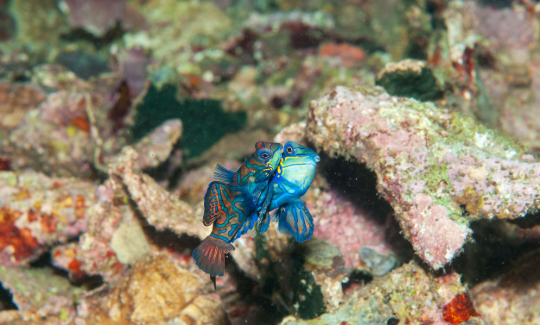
[{"x": 223, "y": 174}]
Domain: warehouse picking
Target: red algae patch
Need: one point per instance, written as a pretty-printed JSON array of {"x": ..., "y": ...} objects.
[
  {"x": 459, "y": 310},
  {"x": 350, "y": 55},
  {"x": 5, "y": 164},
  {"x": 16, "y": 242}
]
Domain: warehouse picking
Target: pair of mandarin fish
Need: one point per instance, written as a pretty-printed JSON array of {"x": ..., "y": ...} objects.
[{"x": 272, "y": 179}]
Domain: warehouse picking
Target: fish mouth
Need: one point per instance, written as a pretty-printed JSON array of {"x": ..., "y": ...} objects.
[{"x": 317, "y": 158}]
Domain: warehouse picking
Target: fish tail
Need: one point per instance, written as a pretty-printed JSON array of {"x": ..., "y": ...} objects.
[
  {"x": 210, "y": 255},
  {"x": 295, "y": 220}
]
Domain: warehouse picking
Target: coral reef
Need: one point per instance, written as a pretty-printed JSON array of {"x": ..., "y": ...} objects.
[
  {"x": 430, "y": 163},
  {"x": 114, "y": 114}
]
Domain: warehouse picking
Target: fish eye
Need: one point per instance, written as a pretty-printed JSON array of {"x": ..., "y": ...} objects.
[
  {"x": 289, "y": 149},
  {"x": 265, "y": 155}
]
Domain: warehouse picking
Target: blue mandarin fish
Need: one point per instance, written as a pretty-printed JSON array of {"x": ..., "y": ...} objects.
[
  {"x": 291, "y": 180},
  {"x": 232, "y": 205}
]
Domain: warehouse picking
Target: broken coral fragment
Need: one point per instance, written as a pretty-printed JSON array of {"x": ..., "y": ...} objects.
[
  {"x": 36, "y": 211},
  {"x": 157, "y": 205},
  {"x": 428, "y": 162},
  {"x": 155, "y": 147},
  {"x": 40, "y": 291}
]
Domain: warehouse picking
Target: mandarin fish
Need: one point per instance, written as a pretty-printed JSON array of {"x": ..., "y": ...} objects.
[
  {"x": 232, "y": 206},
  {"x": 291, "y": 180}
]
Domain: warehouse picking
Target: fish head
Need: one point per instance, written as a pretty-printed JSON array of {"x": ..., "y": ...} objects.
[
  {"x": 299, "y": 153},
  {"x": 297, "y": 166},
  {"x": 266, "y": 159}
]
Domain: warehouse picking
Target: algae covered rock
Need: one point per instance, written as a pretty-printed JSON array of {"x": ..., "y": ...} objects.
[
  {"x": 40, "y": 292},
  {"x": 409, "y": 294},
  {"x": 438, "y": 170}
]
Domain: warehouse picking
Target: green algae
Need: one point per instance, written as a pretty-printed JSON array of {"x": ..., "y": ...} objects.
[
  {"x": 422, "y": 87},
  {"x": 204, "y": 121}
]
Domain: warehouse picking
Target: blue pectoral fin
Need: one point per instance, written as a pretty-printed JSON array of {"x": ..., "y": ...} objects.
[
  {"x": 223, "y": 174},
  {"x": 266, "y": 203},
  {"x": 295, "y": 220},
  {"x": 265, "y": 221}
]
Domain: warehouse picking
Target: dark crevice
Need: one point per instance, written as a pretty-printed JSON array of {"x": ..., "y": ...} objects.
[
  {"x": 79, "y": 34},
  {"x": 494, "y": 250},
  {"x": 497, "y": 3},
  {"x": 255, "y": 306},
  {"x": 6, "y": 299},
  {"x": 357, "y": 278},
  {"x": 528, "y": 221}
]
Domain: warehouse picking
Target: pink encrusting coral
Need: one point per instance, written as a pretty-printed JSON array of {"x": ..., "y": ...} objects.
[
  {"x": 345, "y": 225},
  {"x": 438, "y": 169}
]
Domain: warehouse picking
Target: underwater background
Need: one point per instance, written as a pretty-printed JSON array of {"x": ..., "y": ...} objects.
[{"x": 425, "y": 203}]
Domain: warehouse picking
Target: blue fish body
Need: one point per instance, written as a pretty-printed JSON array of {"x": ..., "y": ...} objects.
[
  {"x": 232, "y": 204},
  {"x": 292, "y": 179}
]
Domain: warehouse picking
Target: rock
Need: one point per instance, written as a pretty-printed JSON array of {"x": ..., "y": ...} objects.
[
  {"x": 408, "y": 292},
  {"x": 129, "y": 243},
  {"x": 15, "y": 101},
  {"x": 40, "y": 292},
  {"x": 428, "y": 162},
  {"x": 378, "y": 264},
  {"x": 512, "y": 298},
  {"x": 156, "y": 291}
]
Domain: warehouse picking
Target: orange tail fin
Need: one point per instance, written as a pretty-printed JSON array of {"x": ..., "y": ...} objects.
[{"x": 210, "y": 255}]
